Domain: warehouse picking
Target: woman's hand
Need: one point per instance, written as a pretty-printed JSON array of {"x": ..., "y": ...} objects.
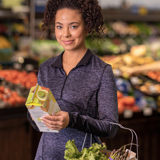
[{"x": 56, "y": 121}]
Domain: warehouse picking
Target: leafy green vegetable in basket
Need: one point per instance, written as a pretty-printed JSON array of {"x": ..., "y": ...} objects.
[
  {"x": 71, "y": 151},
  {"x": 92, "y": 153}
]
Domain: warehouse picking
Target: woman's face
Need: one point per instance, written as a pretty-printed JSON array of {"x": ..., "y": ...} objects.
[{"x": 70, "y": 29}]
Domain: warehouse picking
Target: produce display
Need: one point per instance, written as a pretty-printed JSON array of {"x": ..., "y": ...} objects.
[
  {"x": 154, "y": 75},
  {"x": 146, "y": 85},
  {"x": 14, "y": 87},
  {"x": 4, "y": 43},
  {"x": 10, "y": 98},
  {"x": 135, "y": 94},
  {"x": 126, "y": 102},
  {"x": 10, "y": 34},
  {"x": 46, "y": 49},
  {"x": 136, "y": 56},
  {"x": 22, "y": 78},
  {"x": 6, "y": 51},
  {"x": 132, "y": 28},
  {"x": 142, "y": 89},
  {"x": 13, "y": 28},
  {"x": 121, "y": 36}
]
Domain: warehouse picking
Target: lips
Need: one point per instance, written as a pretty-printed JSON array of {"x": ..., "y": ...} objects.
[{"x": 67, "y": 42}]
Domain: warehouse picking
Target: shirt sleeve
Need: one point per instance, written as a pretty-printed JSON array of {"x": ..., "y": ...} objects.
[
  {"x": 107, "y": 110},
  {"x": 32, "y": 122}
]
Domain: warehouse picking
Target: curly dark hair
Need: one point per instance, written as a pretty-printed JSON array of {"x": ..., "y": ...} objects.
[{"x": 90, "y": 10}]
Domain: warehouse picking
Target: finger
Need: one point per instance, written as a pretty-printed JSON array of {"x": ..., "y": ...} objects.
[
  {"x": 51, "y": 118},
  {"x": 51, "y": 122},
  {"x": 58, "y": 113},
  {"x": 53, "y": 127}
]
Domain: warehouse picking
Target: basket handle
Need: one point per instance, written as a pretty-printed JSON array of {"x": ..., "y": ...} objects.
[{"x": 84, "y": 141}]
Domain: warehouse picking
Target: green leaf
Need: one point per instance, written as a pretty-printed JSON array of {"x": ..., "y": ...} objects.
[
  {"x": 92, "y": 153},
  {"x": 72, "y": 151}
]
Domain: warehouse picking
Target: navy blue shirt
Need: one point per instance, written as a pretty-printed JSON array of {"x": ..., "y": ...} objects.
[{"x": 88, "y": 94}]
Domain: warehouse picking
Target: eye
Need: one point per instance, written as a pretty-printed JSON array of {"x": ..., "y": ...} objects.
[
  {"x": 74, "y": 27},
  {"x": 58, "y": 27}
]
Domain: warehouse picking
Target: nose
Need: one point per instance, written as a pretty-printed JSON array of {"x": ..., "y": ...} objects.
[{"x": 66, "y": 32}]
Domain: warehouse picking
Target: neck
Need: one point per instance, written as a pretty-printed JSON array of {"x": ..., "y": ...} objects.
[{"x": 73, "y": 57}]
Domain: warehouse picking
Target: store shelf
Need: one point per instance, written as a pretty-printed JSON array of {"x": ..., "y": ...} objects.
[
  {"x": 126, "y": 15},
  {"x": 8, "y": 14},
  {"x": 17, "y": 134},
  {"x": 13, "y": 112}
]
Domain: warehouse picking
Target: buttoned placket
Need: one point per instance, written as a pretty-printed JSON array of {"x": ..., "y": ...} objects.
[{"x": 59, "y": 65}]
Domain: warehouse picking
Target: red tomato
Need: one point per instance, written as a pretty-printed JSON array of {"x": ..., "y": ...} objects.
[
  {"x": 129, "y": 100},
  {"x": 119, "y": 94}
]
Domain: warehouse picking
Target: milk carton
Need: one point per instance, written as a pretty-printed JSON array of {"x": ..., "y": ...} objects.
[{"x": 41, "y": 102}]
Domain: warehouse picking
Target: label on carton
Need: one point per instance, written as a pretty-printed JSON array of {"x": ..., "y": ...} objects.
[{"x": 41, "y": 102}]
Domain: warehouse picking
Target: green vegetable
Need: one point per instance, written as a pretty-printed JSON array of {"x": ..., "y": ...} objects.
[
  {"x": 92, "y": 153},
  {"x": 120, "y": 153},
  {"x": 72, "y": 152}
]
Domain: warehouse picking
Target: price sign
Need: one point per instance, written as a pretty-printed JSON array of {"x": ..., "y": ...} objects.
[
  {"x": 117, "y": 72},
  {"x": 128, "y": 113},
  {"x": 152, "y": 89},
  {"x": 17, "y": 66},
  {"x": 147, "y": 111},
  {"x": 135, "y": 80}
]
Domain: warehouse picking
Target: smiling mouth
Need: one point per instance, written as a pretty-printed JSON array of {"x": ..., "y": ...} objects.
[{"x": 68, "y": 42}]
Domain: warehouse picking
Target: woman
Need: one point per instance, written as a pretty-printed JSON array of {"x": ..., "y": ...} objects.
[{"x": 82, "y": 84}]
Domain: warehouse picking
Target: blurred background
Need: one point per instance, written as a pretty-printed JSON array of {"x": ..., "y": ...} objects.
[{"x": 131, "y": 39}]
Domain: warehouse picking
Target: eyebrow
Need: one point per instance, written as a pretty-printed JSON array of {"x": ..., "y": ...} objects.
[{"x": 69, "y": 23}]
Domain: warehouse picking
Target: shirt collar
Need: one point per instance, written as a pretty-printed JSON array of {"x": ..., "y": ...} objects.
[
  {"x": 83, "y": 61},
  {"x": 58, "y": 61}
]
